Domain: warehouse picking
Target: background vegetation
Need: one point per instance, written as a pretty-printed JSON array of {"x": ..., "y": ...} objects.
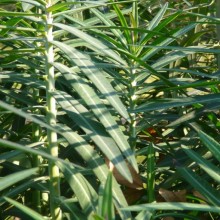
[{"x": 109, "y": 109}]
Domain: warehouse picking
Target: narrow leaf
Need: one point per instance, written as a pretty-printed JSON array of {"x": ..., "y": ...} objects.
[
  {"x": 94, "y": 130},
  {"x": 109, "y": 23},
  {"x": 102, "y": 113},
  {"x": 181, "y": 206},
  {"x": 211, "y": 144},
  {"x": 167, "y": 41},
  {"x": 95, "y": 75},
  {"x": 151, "y": 173},
  {"x": 156, "y": 20},
  {"x": 171, "y": 57},
  {"x": 91, "y": 40},
  {"x": 16, "y": 177},
  {"x": 123, "y": 21},
  {"x": 107, "y": 202},
  {"x": 171, "y": 103},
  {"x": 95, "y": 162},
  {"x": 212, "y": 195},
  {"x": 27, "y": 149},
  {"x": 33, "y": 214},
  {"x": 85, "y": 193},
  {"x": 207, "y": 166}
]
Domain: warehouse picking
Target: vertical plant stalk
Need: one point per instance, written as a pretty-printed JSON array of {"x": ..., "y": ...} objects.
[
  {"x": 36, "y": 195},
  {"x": 133, "y": 117},
  {"x": 36, "y": 135},
  {"x": 151, "y": 173},
  {"x": 218, "y": 28},
  {"x": 51, "y": 119},
  {"x": 132, "y": 91}
]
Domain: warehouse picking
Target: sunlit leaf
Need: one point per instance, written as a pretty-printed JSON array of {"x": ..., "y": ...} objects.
[{"x": 173, "y": 206}]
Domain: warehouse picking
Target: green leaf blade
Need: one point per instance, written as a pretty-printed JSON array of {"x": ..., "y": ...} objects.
[
  {"x": 211, "y": 144},
  {"x": 33, "y": 214},
  {"x": 201, "y": 185},
  {"x": 16, "y": 177}
]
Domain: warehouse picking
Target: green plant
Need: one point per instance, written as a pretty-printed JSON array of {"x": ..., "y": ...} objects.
[
  {"x": 86, "y": 82},
  {"x": 33, "y": 45}
]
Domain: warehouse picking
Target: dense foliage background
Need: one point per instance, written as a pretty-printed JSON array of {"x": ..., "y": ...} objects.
[{"x": 109, "y": 109}]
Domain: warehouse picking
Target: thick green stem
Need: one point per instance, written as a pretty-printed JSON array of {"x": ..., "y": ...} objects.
[
  {"x": 132, "y": 106},
  {"x": 51, "y": 120},
  {"x": 218, "y": 28},
  {"x": 36, "y": 195},
  {"x": 133, "y": 81},
  {"x": 36, "y": 135}
]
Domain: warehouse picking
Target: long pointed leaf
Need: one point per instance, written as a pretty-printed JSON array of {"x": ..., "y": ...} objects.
[
  {"x": 108, "y": 22},
  {"x": 156, "y": 20},
  {"x": 27, "y": 149},
  {"x": 33, "y": 214},
  {"x": 94, "y": 74},
  {"x": 93, "y": 41},
  {"x": 107, "y": 202},
  {"x": 182, "y": 206},
  {"x": 95, "y": 162},
  {"x": 151, "y": 173},
  {"x": 207, "y": 166},
  {"x": 167, "y": 41},
  {"x": 94, "y": 130},
  {"x": 171, "y": 103},
  {"x": 86, "y": 195},
  {"x": 211, "y": 144},
  {"x": 99, "y": 109},
  {"x": 212, "y": 195},
  {"x": 16, "y": 177}
]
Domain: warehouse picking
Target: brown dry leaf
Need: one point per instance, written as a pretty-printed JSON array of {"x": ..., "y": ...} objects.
[
  {"x": 199, "y": 195},
  {"x": 170, "y": 196},
  {"x": 133, "y": 195},
  {"x": 137, "y": 182}
]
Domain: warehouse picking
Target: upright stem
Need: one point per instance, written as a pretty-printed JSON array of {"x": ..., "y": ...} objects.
[
  {"x": 218, "y": 28},
  {"x": 36, "y": 135},
  {"x": 36, "y": 194},
  {"x": 133, "y": 116},
  {"x": 133, "y": 81},
  {"x": 51, "y": 119}
]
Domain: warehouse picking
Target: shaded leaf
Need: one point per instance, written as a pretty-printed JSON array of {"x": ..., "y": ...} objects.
[
  {"x": 211, "y": 194},
  {"x": 137, "y": 183},
  {"x": 170, "y": 196},
  {"x": 31, "y": 213},
  {"x": 16, "y": 177},
  {"x": 91, "y": 40},
  {"x": 100, "y": 110},
  {"x": 133, "y": 195},
  {"x": 96, "y": 162},
  {"x": 171, "y": 103},
  {"x": 85, "y": 193},
  {"x": 207, "y": 166},
  {"x": 211, "y": 144},
  {"x": 93, "y": 129}
]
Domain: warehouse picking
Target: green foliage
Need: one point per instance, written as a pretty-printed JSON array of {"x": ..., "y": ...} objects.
[{"x": 85, "y": 84}]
